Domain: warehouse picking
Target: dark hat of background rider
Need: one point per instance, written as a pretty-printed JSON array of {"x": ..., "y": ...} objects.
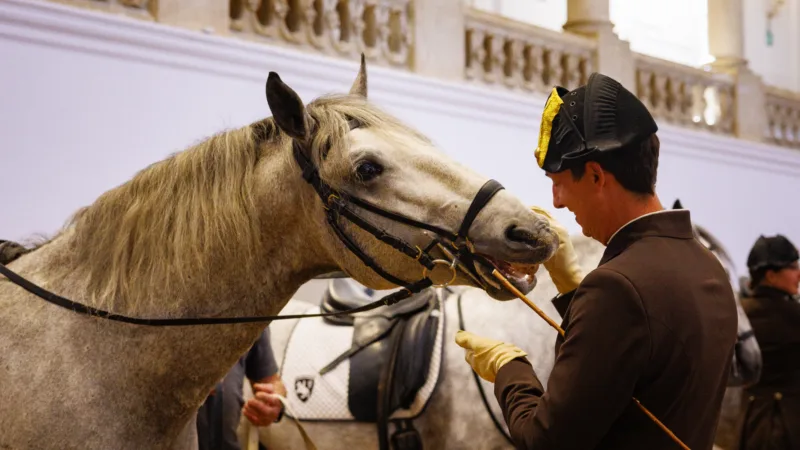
[
  {"x": 601, "y": 116},
  {"x": 771, "y": 253}
]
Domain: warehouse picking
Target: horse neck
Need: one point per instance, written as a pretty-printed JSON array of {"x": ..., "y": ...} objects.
[
  {"x": 289, "y": 256},
  {"x": 171, "y": 369}
]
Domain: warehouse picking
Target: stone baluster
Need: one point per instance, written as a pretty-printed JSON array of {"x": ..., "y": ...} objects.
[
  {"x": 515, "y": 62},
  {"x": 534, "y": 70},
  {"x": 494, "y": 58}
]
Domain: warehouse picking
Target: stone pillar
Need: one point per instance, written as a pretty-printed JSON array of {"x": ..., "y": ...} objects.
[
  {"x": 726, "y": 33},
  {"x": 212, "y": 15},
  {"x": 588, "y": 13},
  {"x": 614, "y": 57},
  {"x": 726, "y": 44},
  {"x": 438, "y": 40},
  {"x": 750, "y": 105}
]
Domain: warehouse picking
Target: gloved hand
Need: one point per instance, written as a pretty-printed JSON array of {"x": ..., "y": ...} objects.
[
  {"x": 486, "y": 356},
  {"x": 563, "y": 266}
]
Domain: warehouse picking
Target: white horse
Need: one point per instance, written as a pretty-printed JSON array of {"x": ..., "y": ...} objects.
[
  {"x": 225, "y": 228},
  {"x": 456, "y": 417}
]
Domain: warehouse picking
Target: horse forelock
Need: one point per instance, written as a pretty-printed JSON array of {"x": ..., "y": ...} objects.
[{"x": 331, "y": 115}]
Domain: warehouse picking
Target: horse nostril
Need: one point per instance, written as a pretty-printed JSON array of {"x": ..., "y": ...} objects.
[{"x": 517, "y": 234}]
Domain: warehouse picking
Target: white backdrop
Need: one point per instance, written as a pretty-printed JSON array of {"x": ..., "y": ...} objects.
[{"x": 88, "y": 99}]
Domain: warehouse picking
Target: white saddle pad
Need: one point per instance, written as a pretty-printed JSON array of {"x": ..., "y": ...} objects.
[{"x": 313, "y": 344}]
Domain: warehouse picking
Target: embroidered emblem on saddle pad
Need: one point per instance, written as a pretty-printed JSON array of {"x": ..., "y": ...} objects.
[
  {"x": 341, "y": 369},
  {"x": 303, "y": 387}
]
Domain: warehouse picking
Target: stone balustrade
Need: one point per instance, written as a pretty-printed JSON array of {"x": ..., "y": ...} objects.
[
  {"x": 783, "y": 117},
  {"x": 378, "y": 28},
  {"x": 497, "y": 51},
  {"x": 522, "y": 56},
  {"x": 686, "y": 96}
]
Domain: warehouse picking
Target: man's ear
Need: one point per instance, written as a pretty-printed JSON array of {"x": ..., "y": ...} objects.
[{"x": 596, "y": 173}]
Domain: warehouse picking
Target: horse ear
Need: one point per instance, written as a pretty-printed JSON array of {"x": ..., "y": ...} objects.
[
  {"x": 360, "y": 84},
  {"x": 677, "y": 204},
  {"x": 287, "y": 108}
]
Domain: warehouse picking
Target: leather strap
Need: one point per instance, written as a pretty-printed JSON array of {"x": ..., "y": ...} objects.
[
  {"x": 486, "y": 192},
  {"x": 79, "y": 308}
]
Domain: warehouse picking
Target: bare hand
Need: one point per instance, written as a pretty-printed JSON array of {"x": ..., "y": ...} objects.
[{"x": 265, "y": 407}]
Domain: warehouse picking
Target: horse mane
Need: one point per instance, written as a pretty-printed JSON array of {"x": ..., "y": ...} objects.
[{"x": 146, "y": 242}]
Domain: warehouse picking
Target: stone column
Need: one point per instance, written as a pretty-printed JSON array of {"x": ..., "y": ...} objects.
[
  {"x": 212, "y": 15},
  {"x": 726, "y": 33},
  {"x": 438, "y": 40},
  {"x": 614, "y": 58},
  {"x": 588, "y": 13},
  {"x": 726, "y": 44}
]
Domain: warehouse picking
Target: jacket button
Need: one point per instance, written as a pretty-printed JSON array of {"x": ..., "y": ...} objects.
[{"x": 778, "y": 396}]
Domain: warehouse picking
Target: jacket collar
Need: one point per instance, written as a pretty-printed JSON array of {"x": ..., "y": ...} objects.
[
  {"x": 771, "y": 292},
  {"x": 667, "y": 223}
]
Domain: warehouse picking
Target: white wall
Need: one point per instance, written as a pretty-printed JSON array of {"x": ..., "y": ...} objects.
[
  {"x": 544, "y": 13},
  {"x": 87, "y": 99},
  {"x": 675, "y": 30},
  {"x": 778, "y": 65}
]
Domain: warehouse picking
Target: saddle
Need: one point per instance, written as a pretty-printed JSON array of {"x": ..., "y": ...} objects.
[{"x": 390, "y": 356}]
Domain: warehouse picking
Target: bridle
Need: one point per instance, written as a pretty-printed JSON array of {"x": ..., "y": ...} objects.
[{"x": 337, "y": 204}]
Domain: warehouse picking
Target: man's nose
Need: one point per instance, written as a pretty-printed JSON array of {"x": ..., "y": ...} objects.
[{"x": 557, "y": 199}]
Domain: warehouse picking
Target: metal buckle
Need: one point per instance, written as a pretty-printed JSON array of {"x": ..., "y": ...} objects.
[
  {"x": 327, "y": 204},
  {"x": 449, "y": 264}
]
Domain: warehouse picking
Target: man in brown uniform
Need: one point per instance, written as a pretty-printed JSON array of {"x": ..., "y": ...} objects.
[
  {"x": 771, "y": 411},
  {"x": 656, "y": 320}
]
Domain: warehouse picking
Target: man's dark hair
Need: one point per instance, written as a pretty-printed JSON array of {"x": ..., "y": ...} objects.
[
  {"x": 757, "y": 276},
  {"x": 635, "y": 166}
]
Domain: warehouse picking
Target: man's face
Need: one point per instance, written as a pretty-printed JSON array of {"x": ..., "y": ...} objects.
[
  {"x": 578, "y": 196},
  {"x": 786, "y": 279}
]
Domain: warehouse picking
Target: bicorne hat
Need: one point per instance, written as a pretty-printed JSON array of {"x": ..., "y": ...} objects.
[
  {"x": 601, "y": 116},
  {"x": 775, "y": 252}
]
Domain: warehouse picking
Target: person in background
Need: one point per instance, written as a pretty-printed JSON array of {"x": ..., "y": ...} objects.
[
  {"x": 770, "y": 417},
  {"x": 218, "y": 418}
]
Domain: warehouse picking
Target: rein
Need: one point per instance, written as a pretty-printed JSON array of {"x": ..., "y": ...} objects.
[{"x": 336, "y": 204}]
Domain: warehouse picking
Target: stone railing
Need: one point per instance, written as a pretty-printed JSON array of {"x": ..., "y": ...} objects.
[
  {"x": 518, "y": 55},
  {"x": 451, "y": 40},
  {"x": 686, "y": 96},
  {"x": 783, "y": 117},
  {"x": 379, "y": 28}
]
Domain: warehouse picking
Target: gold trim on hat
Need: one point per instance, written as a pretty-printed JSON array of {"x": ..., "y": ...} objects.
[{"x": 551, "y": 108}]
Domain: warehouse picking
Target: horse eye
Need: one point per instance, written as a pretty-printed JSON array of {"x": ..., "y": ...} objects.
[{"x": 368, "y": 170}]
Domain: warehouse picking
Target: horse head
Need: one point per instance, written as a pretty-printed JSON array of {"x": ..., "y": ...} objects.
[{"x": 363, "y": 161}]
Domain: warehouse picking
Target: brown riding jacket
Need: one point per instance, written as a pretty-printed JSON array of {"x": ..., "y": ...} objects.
[
  {"x": 656, "y": 321},
  {"x": 771, "y": 409}
]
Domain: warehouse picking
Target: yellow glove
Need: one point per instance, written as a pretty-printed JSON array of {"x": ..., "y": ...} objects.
[
  {"x": 563, "y": 265},
  {"x": 486, "y": 356}
]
